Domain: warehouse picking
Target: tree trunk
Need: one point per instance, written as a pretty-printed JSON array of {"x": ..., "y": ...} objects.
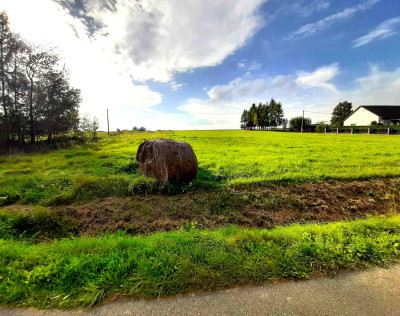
[
  {"x": 31, "y": 123},
  {"x": 3, "y": 99},
  {"x": 17, "y": 117}
]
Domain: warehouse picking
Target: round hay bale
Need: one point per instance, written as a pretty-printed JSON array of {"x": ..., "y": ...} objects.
[{"x": 167, "y": 160}]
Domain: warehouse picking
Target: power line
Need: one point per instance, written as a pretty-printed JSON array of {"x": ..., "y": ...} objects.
[
  {"x": 227, "y": 113},
  {"x": 308, "y": 111},
  {"x": 224, "y": 113},
  {"x": 187, "y": 113}
]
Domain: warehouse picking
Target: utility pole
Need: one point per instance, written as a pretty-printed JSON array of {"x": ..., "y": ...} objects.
[
  {"x": 302, "y": 122},
  {"x": 108, "y": 124}
]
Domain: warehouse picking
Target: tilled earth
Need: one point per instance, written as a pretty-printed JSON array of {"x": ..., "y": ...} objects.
[{"x": 246, "y": 207}]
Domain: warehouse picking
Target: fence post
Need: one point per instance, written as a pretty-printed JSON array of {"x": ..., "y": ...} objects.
[
  {"x": 352, "y": 130},
  {"x": 369, "y": 130},
  {"x": 388, "y": 131},
  {"x": 337, "y": 130}
]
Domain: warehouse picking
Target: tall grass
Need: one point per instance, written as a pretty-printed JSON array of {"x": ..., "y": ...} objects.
[
  {"x": 226, "y": 158},
  {"x": 81, "y": 272}
]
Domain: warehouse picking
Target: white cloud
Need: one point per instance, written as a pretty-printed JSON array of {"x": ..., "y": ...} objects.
[
  {"x": 99, "y": 73},
  {"x": 382, "y": 31},
  {"x": 305, "y": 10},
  {"x": 378, "y": 87},
  {"x": 249, "y": 65},
  {"x": 316, "y": 27},
  {"x": 314, "y": 6},
  {"x": 176, "y": 86},
  {"x": 112, "y": 46},
  {"x": 302, "y": 91},
  {"x": 160, "y": 37},
  {"x": 320, "y": 77}
]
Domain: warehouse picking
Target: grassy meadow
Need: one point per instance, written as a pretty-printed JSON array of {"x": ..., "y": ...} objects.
[
  {"x": 226, "y": 158},
  {"x": 79, "y": 225}
]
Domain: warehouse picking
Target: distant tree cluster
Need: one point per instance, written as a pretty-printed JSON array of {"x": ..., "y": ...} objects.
[
  {"x": 139, "y": 129},
  {"x": 297, "y": 122},
  {"x": 36, "y": 99},
  {"x": 262, "y": 116}
]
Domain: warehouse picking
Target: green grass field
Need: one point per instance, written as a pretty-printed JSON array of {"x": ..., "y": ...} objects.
[
  {"x": 226, "y": 158},
  {"x": 63, "y": 245}
]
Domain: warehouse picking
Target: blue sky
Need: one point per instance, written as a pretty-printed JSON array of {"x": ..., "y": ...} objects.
[{"x": 174, "y": 64}]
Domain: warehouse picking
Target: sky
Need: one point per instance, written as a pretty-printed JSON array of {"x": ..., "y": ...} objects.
[{"x": 179, "y": 64}]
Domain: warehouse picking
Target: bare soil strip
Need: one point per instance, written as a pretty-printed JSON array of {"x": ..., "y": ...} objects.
[{"x": 246, "y": 207}]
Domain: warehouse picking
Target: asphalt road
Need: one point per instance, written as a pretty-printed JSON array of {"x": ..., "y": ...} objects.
[{"x": 371, "y": 292}]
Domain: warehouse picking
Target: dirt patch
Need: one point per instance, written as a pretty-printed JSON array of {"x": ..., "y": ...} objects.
[{"x": 246, "y": 207}]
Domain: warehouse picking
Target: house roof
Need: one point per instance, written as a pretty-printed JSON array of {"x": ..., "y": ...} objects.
[{"x": 384, "y": 111}]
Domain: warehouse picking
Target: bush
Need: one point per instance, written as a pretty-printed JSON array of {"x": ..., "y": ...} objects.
[
  {"x": 139, "y": 129},
  {"x": 321, "y": 126},
  {"x": 295, "y": 123}
]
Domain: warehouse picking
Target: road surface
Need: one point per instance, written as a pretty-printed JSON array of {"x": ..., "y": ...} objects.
[{"x": 370, "y": 292}]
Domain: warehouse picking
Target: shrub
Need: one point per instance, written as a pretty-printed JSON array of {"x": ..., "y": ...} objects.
[
  {"x": 321, "y": 126},
  {"x": 295, "y": 122}
]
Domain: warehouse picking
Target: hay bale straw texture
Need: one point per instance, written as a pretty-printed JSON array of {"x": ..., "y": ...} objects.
[{"x": 167, "y": 160}]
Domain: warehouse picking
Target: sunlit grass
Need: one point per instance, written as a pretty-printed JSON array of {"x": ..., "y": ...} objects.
[
  {"x": 44, "y": 264},
  {"x": 225, "y": 158},
  {"x": 81, "y": 272}
]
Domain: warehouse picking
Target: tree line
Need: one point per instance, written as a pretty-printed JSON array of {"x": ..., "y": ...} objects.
[
  {"x": 263, "y": 116},
  {"x": 37, "y": 101},
  {"x": 271, "y": 114}
]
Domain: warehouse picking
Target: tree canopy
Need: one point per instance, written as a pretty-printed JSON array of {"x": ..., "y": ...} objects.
[
  {"x": 295, "y": 123},
  {"x": 36, "y": 98},
  {"x": 341, "y": 112}
]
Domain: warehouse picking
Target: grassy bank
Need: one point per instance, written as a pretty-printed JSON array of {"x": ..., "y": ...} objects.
[
  {"x": 81, "y": 272},
  {"x": 226, "y": 158}
]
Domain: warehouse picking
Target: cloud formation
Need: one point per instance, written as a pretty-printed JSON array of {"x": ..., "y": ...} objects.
[
  {"x": 313, "y": 92},
  {"x": 157, "y": 38},
  {"x": 305, "y": 9},
  {"x": 113, "y": 46},
  {"x": 382, "y": 31},
  {"x": 249, "y": 65},
  {"x": 320, "y": 77},
  {"x": 316, "y": 27}
]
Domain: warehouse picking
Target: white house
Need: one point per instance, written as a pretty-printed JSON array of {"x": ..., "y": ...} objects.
[{"x": 365, "y": 114}]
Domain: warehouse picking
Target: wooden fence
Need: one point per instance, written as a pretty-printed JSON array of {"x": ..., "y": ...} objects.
[
  {"x": 340, "y": 130},
  {"x": 363, "y": 130}
]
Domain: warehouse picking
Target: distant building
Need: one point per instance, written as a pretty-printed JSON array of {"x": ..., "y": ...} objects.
[{"x": 382, "y": 114}]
